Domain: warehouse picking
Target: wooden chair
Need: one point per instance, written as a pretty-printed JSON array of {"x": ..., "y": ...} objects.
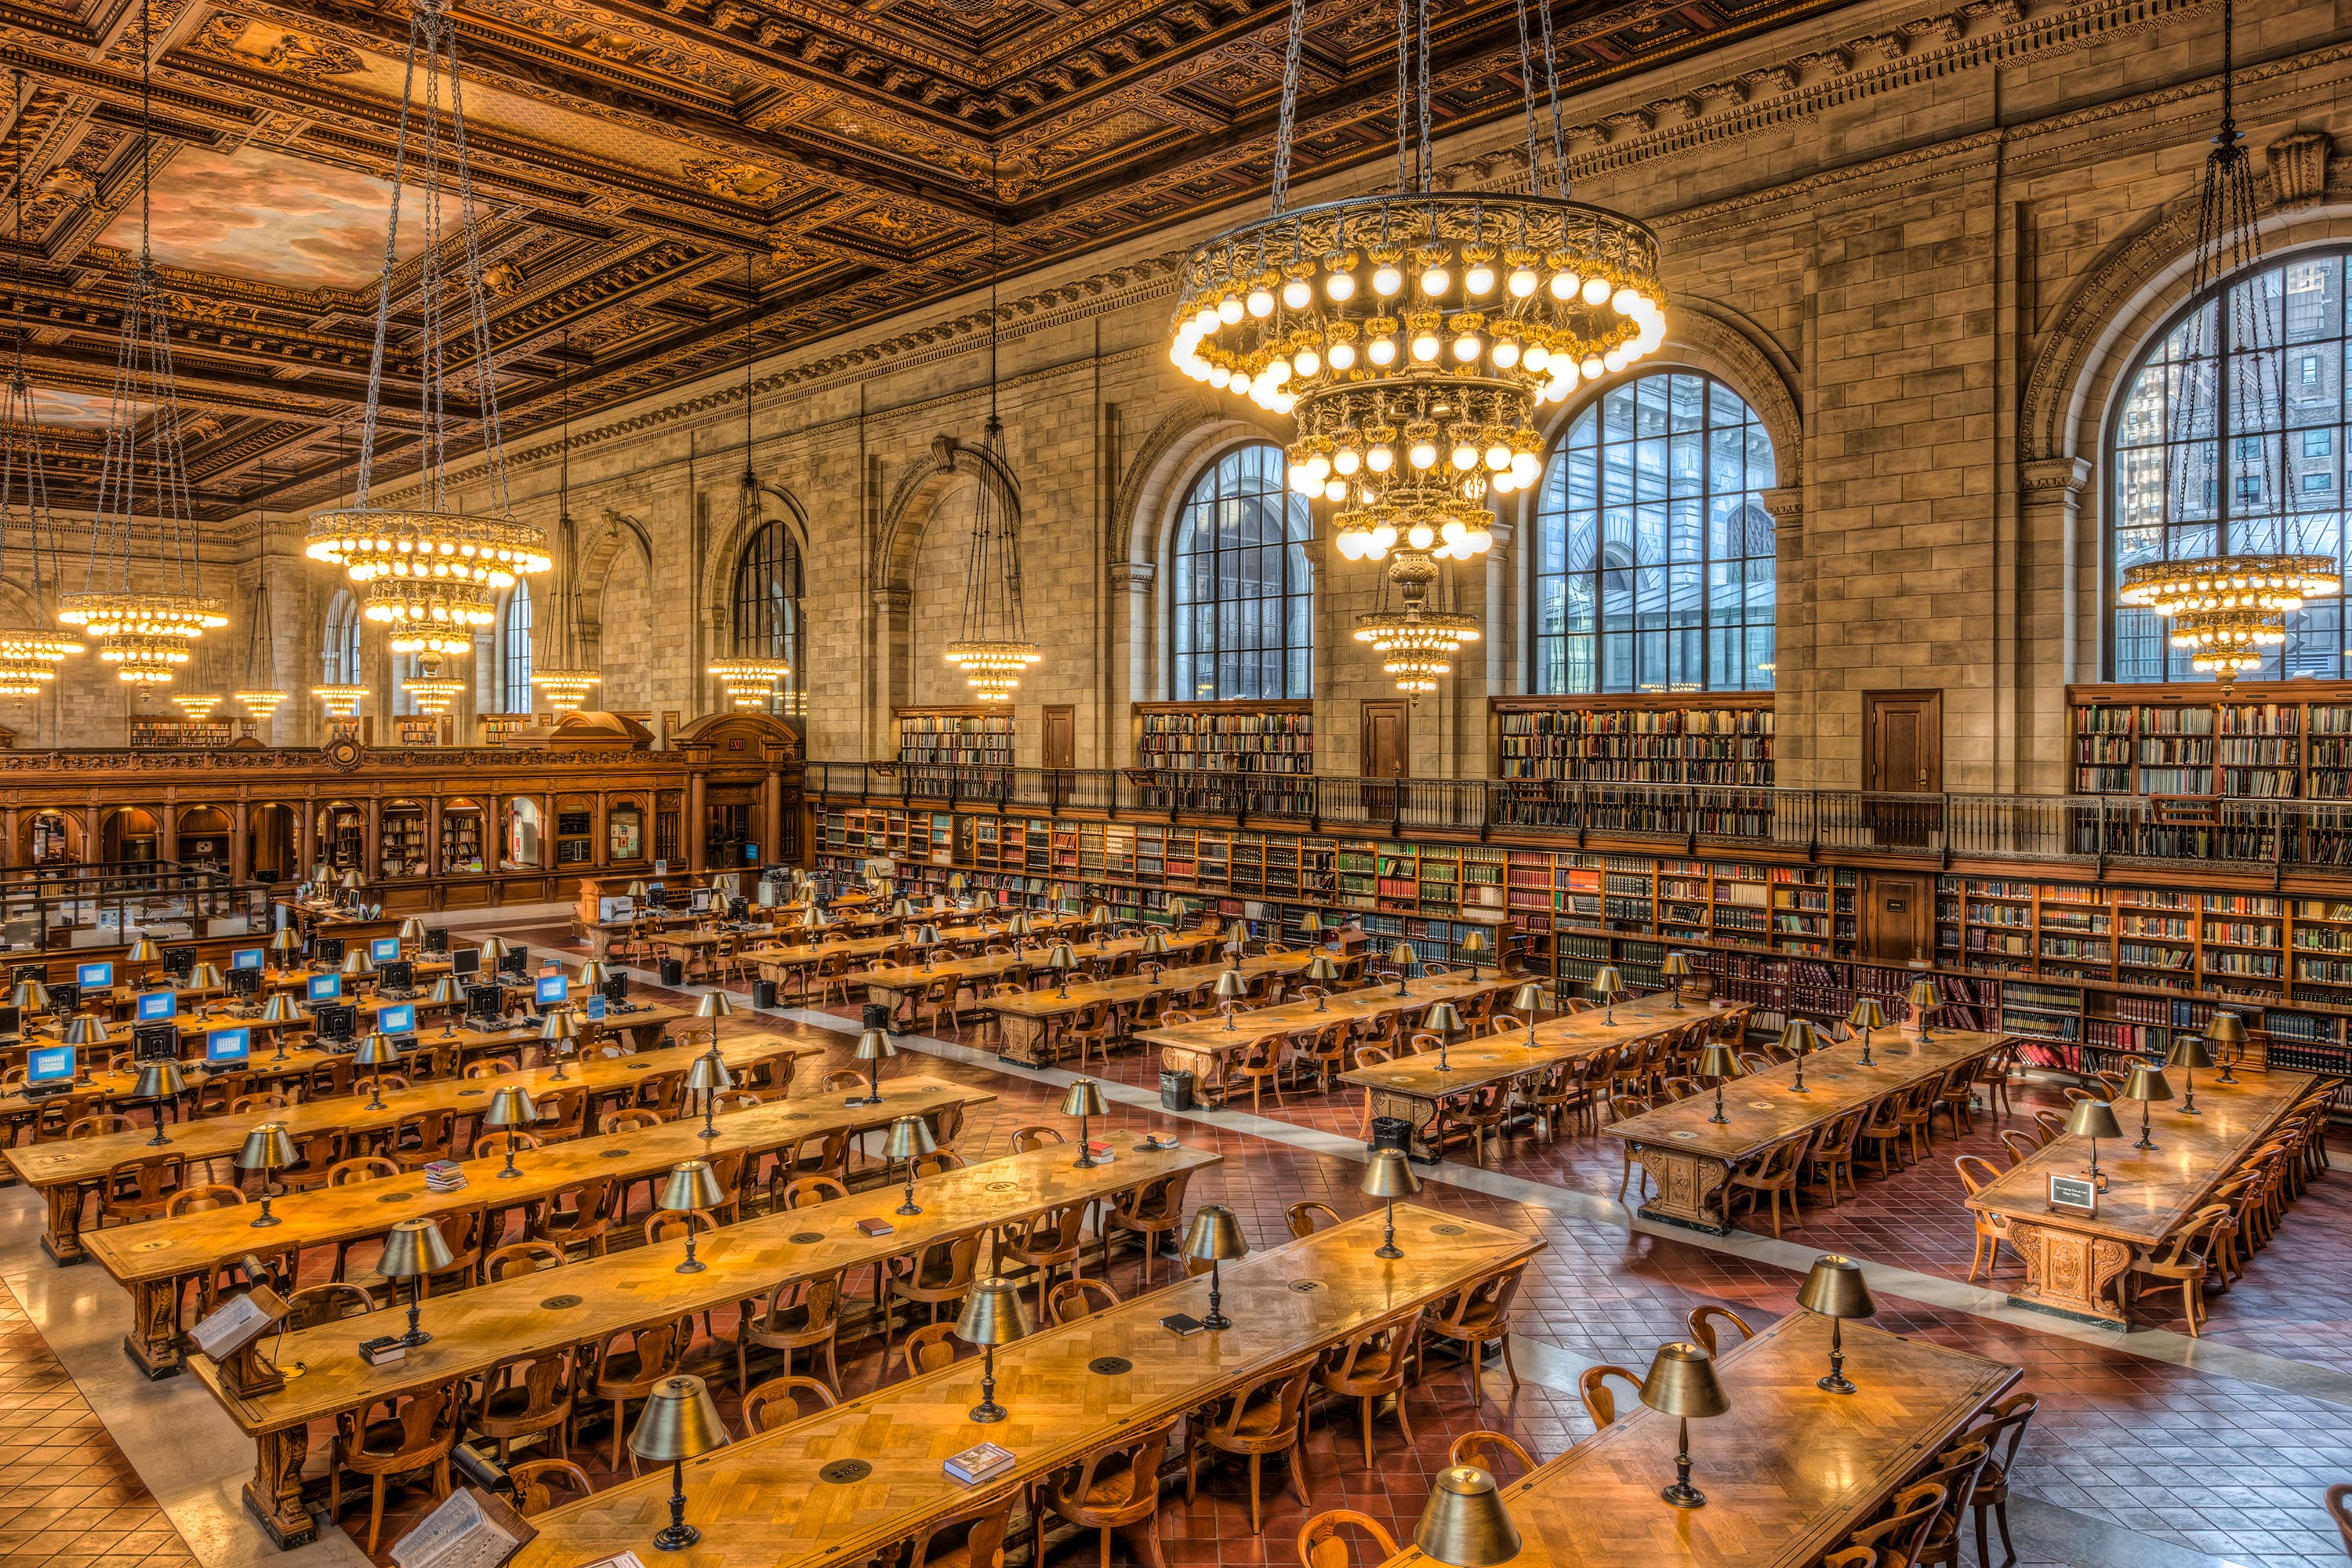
[
  {"x": 2337, "y": 1511},
  {"x": 1266, "y": 1416},
  {"x": 520, "y": 1257},
  {"x": 1308, "y": 1217},
  {"x": 1376, "y": 1362},
  {"x": 1898, "y": 1537},
  {"x": 940, "y": 1273},
  {"x": 797, "y": 1314},
  {"x": 1327, "y": 1053},
  {"x": 1775, "y": 1171},
  {"x": 1621, "y": 1106},
  {"x": 536, "y": 1482},
  {"x": 1476, "y": 1317},
  {"x": 2001, "y": 1429},
  {"x": 586, "y": 1223},
  {"x": 1028, "y": 1140},
  {"x": 315, "y": 1304},
  {"x": 655, "y": 1353},
  {"x": 198, "y": 1199},
  {"x": 972, "y": 1539},
  {"x": 1076, "y": 1298},
  {"x": 1321, "y": 1544},
  {"x": 2052, "y": 1125},
  {"x": 1977, "y": 1173},
  {"x": 1150, "y": 1211},
  {"x": 1832, "y": 1155},
  {"x": 1592, "y": 1387},
  {"x": 1956, "y": 1471},
  {"x": 2022, "y": 1146},
  {"x": 1992, "y": 1077},
  {"x": 928, "y": 1348},
  {"x": 1096, "y": 1026},
  {"x": 1882, "y": 1136},
  {"x": 1479, "y": 1448},
  {"x": 807, "y": 1191},
  {"x": 1050, "y": 1239},
  {"x": 781, "y": 1401},
  {"x": 524, "y": 1396},
  {"x": 1702, "y": 1322},
  {"x": 414, "y": 1434},
  {"x": 1259, "y": 1065},
  {"x": 2186, "y": 1257},
  {"x": 140, "y": 1189},
  {"x": 1116, "y": 1490}
]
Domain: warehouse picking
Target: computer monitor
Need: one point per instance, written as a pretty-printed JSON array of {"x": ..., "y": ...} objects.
[
  {"x": 516, "y": 963},
  {"x": 484, "y": 1001},
  {"x": 400, "y": 974},
  {"x": 244, "y": 982},
  {"x": 12, "y": 1022},
  {"x": 399, "y": 1018},
  {"x": 336, "y": 1021},
  {"x": 64, "y": 998},
  {"x": 550, "y": 989},
  {"x": 155, "y": 1043},
  {"x": 324, "y": 988},
  {"x": 179, "y": 962},
  {"x": 384, "y": 949},
  {"x": 246, "y": 958},
  {"x": 466, "y": 963},
  {"x": 326, "y": 949},
  {"x": 228, "y": 1048},
  {"x": 617, "y": 988},
  {"x": 437, "y": 940},
  {"x": 94, "y": 976},
  {"x": 156, "y": 1005},
  {"x": 49, "y": 1064},
  {"x": 698, "y": 901}
]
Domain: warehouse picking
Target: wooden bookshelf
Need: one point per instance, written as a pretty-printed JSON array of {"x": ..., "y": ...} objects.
[
  {"x": 2280, "y": 739},
  {"x": 400, "y": 840},
  {"x": 1228, "y": 737},
  {"x": 1702, "y": 738},
  {"x": 155, "y": 732},
  {"x": 461, "y": 839},
  {"x": 964, "y": 737}
]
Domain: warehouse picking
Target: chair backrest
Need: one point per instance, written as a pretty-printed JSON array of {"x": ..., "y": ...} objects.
[
  {"x": 2194, "y": 1242},
  {"x": 2052, "y": 1125},
  {"x": 366, "y": 1168},
  {"x": 521, "y": 1257},
  {"x": 1599, "y": 1403},
  {"x": 1075, "y": 1298},
  {"x": 1026, "y": 1140},
  {"x": 2020, "y": 1146},
  {"x": 1703, "y": 1320},
  {"x": 1909, "y": 1518},
  {"x": 1482, "y": 1447},
  {"x": 195, "y": 1200},
  {"x": 1321, "y": 1543},
  {"x": 2002, "y": 1427},
  {"x": 974, "y": 1539},
  {"x": 780, "y": 1401},
  {"x": 680, "y": 1222},
  {"x": 2338, "y": 1510},
  {"x": 635, "y": 1121},
  {"x": 928, "y": 1348},
  {"x": 1308, "y": 1217},
  {"x": 1976, "y": 1172},
  {"x": 315, "y": 1304},
  {"x": 99, "y": 1126},
  {"x": 500, "y": 1141},
  {"x": 805, "y": 1190},
  {"x": 538, "y": 1482}
]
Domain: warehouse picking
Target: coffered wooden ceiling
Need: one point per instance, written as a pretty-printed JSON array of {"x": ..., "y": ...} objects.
[{"x": 630, "y": 156}]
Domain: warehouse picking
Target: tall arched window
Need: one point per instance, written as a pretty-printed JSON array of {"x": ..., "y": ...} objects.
[
  {"x": 1241, "y": 589},
  {"x": 768, "y": 606},
  {"x": 404, "y": 671},
  {"x": 2281, "y": 416},
  {"x": 339, "y": 652},
  {"x": 1652, "y": 564},
  {"x": 514, "y": 650}
]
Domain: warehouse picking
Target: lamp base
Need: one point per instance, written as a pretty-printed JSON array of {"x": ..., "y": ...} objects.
[
  {"x": 691, "y": 1265},
  {"x": 509, "y": 1171},
  {"x": 1835, "y": 1383},
  {"x": 417, "y": 1337},
  {"x": 1218, "y": 1320},
  {"x": 907, "y": 1208},
  {"x": 676, "y": 1536},
  {"x": 1682, "y": 1494},
  {"x": 1391, "y": 1250},
  {"x": 987, "y": 1410},
  {"x": 268, "y": 1219}
]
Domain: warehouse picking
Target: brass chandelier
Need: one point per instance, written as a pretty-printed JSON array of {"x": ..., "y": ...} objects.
[
  {"x": 144, "y": 625},
  {"x": 2226, "y": 611},
  {"x": 342, "y": 701},
  {"x": 1416, "y": 640},
  {"x": 749, "y": 679},
  {"x": 994, "y": 650},
  {"x": 432, "y": 690},
  {"x": 1412, "y": 336},
  {"x": 564, "y": 684},
  {"x": 28, "y": 655},
  {"x": 433, "y": 574}
]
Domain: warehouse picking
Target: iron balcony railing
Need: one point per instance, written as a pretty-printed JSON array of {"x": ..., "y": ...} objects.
[{"x": 2283, "y": 833}]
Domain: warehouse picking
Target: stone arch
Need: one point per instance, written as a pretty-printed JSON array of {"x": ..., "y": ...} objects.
[
  {"x": 599, "y": 554},
  {"x": 1165, "y": 464},
  {"x": 1713, "y": 340},
  {"x": 778, "y": 504},
  {"x": 915, "y": 502}
]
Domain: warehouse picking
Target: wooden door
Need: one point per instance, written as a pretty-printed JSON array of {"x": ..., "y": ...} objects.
[
  {"x": 1384, "y": 738},
  {"x": 1059, "y": 736},
  {"x": 1897, "y": 917},
  {"x": 1903, "y": 755}
]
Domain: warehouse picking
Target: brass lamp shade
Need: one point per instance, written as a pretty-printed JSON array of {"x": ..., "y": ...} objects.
[
  {"x": 993, "y": 1313},
  {"x": 283, "y": 1009},
  {"x": 2226, "y": 1029},
  {"x": 1529, "y": 999},
  {"x": 1155, "y": 944},
  {"x": 2187, "y": 1051},
  {"x": 1442, "y": 1016},
  {"x": 955, "y": 884},
  {"x": 1922, "y": 994},
  {"x": 1084, "y": 1098},
  {"x": 1682, "y": 1382},
  {"x": 411, "y": 930},
  {"x": 1018, "y": 925},
  {"x": 1101, "y": 916},
  {"x": 715, "y": 1005},
  {"x": 1471, "y": 943},
  {"x": 2146, "y": 1083},
  {"x": 493, "y": 948},
  {"x": 1608, "y": 982},
  {"x": 447, "y": 989},
  {"x": 1835, "y": 1289},
  {"x": 910, "y": 1139},
  {"x": 377, "y": 1050},
  {"x": 30, "y": 995},
  {"x": 901, "y": 911},
  {"x": 1230, "y": 986},
  {"x": 285, "y": 942},
  {"x": 2093, "y": 1118},
  {"x": 1465, "y": 1523},
  {"x": 1797, "y": 1036},
  {"x": 875, "y": 1046},
  {"x": 1675, "y": 966},
  {"x": 267, "y": 1148},
  {"x": 1867, "y": 1014},
  {"x": 680, "y": 1423},
  {"x": 1716, "y": 1059},
  {"x": 1404, "y": 956},
  {"x": 159, "y": 1081},
  {"x": 511, "y": 1107},
  {"x": 1215, "y": 1234},
  {"x": 86, "y": 1029},
  {"x": 595, "y": 974},
  {"x": 1391, "y": 1176},
  {"x": 357, "y": 962},
  {"x": 415, "y": 1246},
  {"x": 1061, "y": 955},
  {"x": 708, "y": 1072},
  {"x": 692, "y": 1184},
  {"x": 1321, "y": 970},
  {"x": 926, "y": 936},
  {"x": 144, "y": 950},
  {"x": 637, "y": 889},
  {"x": 204, "y": 977},
  {"x": 559, "y": 1026},
  {"x": 352, "y": 882},
  {"x": 1310, "y": 924}
]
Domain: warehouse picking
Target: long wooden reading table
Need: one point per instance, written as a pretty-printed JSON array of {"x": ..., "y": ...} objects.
[
  {"x": 64, "y": 1170},
  {"x": 1025, "y": 1024},
  {"x": 154, "y": 1260},
  {"x": 1410, "y": 1087},
  {"x": 588, "y": 1301},
  {"x": 786, "y": 1499},
  {"x": 1789, "y": 1471},
  {"x": 2075, "y": 1263},
  {"x": 897, "y": 988},
  {"x": 1692, "y": 1157},
  {"x": 1206, "y": 1047}
]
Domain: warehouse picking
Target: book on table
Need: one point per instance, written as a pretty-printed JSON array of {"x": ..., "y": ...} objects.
[{"x": 977, "y": 1463}]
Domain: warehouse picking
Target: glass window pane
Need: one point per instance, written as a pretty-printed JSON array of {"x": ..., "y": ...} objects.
[{"x": 1240, "y": 584}]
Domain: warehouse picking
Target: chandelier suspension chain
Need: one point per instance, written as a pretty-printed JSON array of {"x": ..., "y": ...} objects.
[
  {"x": 750, "y": 680},
  {"x": 1425, "y": 169},
  {"x": 1552, "y": 94},
  {"x": 1285, "y": 124}
]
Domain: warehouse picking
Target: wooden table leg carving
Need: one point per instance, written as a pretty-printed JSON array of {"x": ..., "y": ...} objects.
[
  {"x": 1025, "y": 1040},
  {"x": 62, "y": 1240},
  {"x": 1416, "y": 1113},
  {"x": 275, "y": 1493},
  {"x": 2071, "y": 1271},
  {"x": 1691, "y": 1189},
  {"x": 153, "y": 1341}
]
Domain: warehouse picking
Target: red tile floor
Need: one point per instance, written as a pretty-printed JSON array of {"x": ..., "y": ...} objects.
[{"x": 2195, "y": 1458}]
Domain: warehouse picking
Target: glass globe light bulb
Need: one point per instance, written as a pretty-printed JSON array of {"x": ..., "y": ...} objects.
[
  {"x": 1382, "y": 351},
  {"x": 1380, "y": 459},
  {"x": 1424, "y": 454},
  {"x": 1296, "y": 294},
  {"x": 1479, "y": 279},
  {"x": 1229, "y": 310},
  {"x": 1346, "y": 461},
  {"x": 1505, "y": 353},
  {"x": 1596, "y": 290},
  {"x": 1384, "y": 539},
  {"x": 1207, "y": 322},
  {"x": 1425, "y": 346},
  {"x": 1563, "y": 284},
  {"x": 1261, "y": 302},
  {"x": 1421, "y": 536},
  {"x": 1593, "y": 369},
  {"x": 1523, "y": 282},
  {"x": 1306, "y": 361},
  {"x": 1343, "y": 356},
  {"x": 1336, "y": 491},
  {"x": 1453, "y": 533},
  {"x": 1465, "y": 457},
  {"x": 1386, "y": 281},
  {"x": 1467, "y": 347},
  {"x": 1219, "y": 376},
  {"x": 1524, "y": 467},
  {"x": 1498, "y": 457},
  {"x": 1481, "y": 541},
  {"x": 1535, "y": 357},
  {"x": 1625, "y": 303},
  {"x": 1435, "y": 280}
]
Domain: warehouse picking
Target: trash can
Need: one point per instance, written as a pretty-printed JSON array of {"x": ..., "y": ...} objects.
[
  {"x": 1175, "y": 1090},
  {"x": 763, "y": 993},
  {"x": 673, "y": 971},
  {"x": 875, "y": 1016},
  {"x": 1392, "y": 1132}
]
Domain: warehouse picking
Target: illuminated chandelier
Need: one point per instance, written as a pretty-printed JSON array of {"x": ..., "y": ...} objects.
[
  {"x": 144, "y": 624},
  {"x": 749, "y": 679},
  {"x": 565, "y": 685},
  {"x": 431, "y": 692},
  {"x": 28, "y": 655},
  {"x": 196, "y": 704},
  {"x": 341, "y": 701},
  {"x": 2225, "y": 611},
  {"x": 257, "y": 696},
  {"x": 1412, "y": 336},
  {"x": 994, "y": 650},
  {"x": 431, "y": 574},
  {"x": 1416, "y": 641}
]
